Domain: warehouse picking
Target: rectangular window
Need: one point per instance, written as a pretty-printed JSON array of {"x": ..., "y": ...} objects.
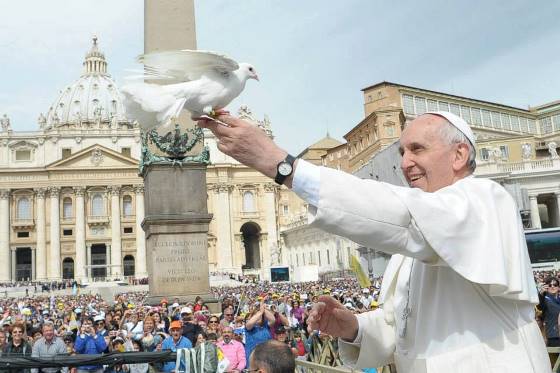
[
  {"x": 127, "y": 229},
  {"x": 319, "y": 257},
  {"x": 532, "y": 126},
  {"x": 23, "y": 234},
  {"x": 496, "y": 123},
  {"x": 420, "y": 103},
  {"x": 515, "y": 123},
  {"x": 556, "y": 121},
  {"x": 476, "y": 117},
  {"x": 328, "y": 257},
  {"x": 505, "y": 151},
  {"x": 432, "y": 105},
  {"x": 454, "y": 108},
  {"x": 443, "y": 106},
  {"x": 486, "y": 118},
  {"x": 23, "y": 155},
  {"x": 523, "y": 124},
  {"x": 125, "y": 151},
  {"x": 546, "y": 125},
  {"x": 466, "y": 114},
  {"x": 66, "y": 153},
  {"x": 484, "y": 154},
  {"x": 408, "y": 104},
  {"x": 506, "y": 124},
  {"x": 297, "y": 260},
  {"x": 285, "y": 209},
  {"x": 67, "y": 232}
]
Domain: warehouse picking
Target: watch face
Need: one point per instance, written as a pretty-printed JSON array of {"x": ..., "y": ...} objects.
[{"x": 284, "y": 168}]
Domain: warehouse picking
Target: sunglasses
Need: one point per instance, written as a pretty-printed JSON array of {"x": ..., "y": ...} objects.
[{"x": 213, "y": 322}]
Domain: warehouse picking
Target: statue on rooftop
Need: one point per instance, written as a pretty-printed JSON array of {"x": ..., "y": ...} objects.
[
  {"x": 5, "y": 123},
  {"x": 552, "y": 150}
]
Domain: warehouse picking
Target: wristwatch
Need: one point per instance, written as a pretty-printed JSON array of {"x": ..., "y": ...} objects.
[{"x": 284, "y": 169}]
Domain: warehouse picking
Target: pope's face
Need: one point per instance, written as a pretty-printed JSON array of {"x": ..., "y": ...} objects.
[{"x": 427, "y": 161}]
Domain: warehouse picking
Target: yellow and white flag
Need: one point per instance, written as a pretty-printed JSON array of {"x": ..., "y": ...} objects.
[{"x": 361, "y": 273}]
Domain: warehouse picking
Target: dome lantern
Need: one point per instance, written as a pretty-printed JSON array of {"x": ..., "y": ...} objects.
[{"x": 95, "y": 61}]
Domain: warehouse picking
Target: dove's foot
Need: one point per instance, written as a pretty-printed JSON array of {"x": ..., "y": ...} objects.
[{"x": 211, "y": 119}]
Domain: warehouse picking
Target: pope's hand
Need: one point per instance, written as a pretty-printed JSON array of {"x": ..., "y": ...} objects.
[
  {"x": 246, "y": 142},
  {"x": 331, "y": 317}
]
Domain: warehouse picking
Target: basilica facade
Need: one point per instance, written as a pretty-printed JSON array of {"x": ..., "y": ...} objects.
[{"x": 72, "y": 203}]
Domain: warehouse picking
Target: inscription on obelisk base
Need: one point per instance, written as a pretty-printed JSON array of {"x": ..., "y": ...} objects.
[{"x": 176, "y": 226}]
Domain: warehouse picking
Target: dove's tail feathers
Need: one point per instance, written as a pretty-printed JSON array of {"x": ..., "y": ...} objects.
[
  {"x": 145, "y": 103},
  {"x": 172, "y": 113}
]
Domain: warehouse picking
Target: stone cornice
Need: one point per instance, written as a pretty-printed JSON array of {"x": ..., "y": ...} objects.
[
  {"x": 115, "y": 190},
  {"x": 4, "y": 193},
  {"x": 79, "y": 191},
  {"x": 40, "y": 192},
  {"x": 138, "y": 189}
]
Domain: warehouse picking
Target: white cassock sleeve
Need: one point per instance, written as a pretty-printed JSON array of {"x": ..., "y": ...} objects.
[{"x": 366, "y": 211}]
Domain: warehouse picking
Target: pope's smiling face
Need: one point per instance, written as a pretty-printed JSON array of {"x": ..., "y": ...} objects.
[{"x": 428, "y": 162}]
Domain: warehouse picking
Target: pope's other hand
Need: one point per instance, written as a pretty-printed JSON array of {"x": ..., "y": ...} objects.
[{"x": 331, "y": 317}]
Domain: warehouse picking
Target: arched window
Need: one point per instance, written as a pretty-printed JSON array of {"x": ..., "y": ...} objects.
[
  {"x": 128, "y": 264},
  {"x": 248, "y": 202},
  {"x": 24, "y": 208},
  {"x": 127, "y": 205},
  {"x": 67, "y": 208},
  {"x": 97, "y": 208}
]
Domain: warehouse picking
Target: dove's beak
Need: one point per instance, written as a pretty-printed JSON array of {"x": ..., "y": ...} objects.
[{"x": 256, "y": 77}]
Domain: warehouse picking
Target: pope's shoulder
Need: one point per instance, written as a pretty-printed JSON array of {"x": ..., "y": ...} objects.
[{"x": 483, "y": 184}]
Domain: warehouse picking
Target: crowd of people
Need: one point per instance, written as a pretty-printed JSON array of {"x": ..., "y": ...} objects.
[{"x": 43, "y": 324}]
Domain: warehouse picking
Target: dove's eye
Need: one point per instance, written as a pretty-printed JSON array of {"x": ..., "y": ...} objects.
[{"x": 250, "y": 69}]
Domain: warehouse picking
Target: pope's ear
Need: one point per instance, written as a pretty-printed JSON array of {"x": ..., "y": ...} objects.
[{"x": 461, "y": 159}]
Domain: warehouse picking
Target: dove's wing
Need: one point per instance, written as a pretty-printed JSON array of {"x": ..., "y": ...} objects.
[{"x": 184, "y": 65}]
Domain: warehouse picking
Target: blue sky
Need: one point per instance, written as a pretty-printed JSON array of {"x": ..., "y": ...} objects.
[{"x": 313, "y": 57}]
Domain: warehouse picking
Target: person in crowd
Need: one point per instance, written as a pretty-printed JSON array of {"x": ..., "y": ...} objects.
[
  {"x": 272, "y": 357},
  {"x": 445, "y": 268},
  {"x": 135, "y": 346},
  {"x": 161, "y": 325},
  {"x": 198, "y": 304},
  {"x": 48, "y": 345},
  {"x": 18, "y": 346},
  {"x": 174, "y": 341},
  {"x": 257, "y": 328},
  {"x": 227, "y": 316},
  {"x": 3, "y": 341},
  {"x": 213, "y": 325},
  {"x": 549, "y": 304},
  {"x": 233, "y": 351},
  {"x": 89, "y": 342},
  {"x": 191, "y": 329},
  {"x": 150, "y": 339},
  {"x": 202, "y": 337}
]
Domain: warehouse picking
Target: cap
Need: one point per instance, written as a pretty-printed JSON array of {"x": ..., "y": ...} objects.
[
  {"x": 176, "y": 324},
  {"x": 45, "y": 312},
  {"x": 457, "y": 122},
  {"x": 118, "y": 340},
  {"x": 98, "y": 318},
  {"x": 365, "y": 291},
  {"x": 175, "y": 305},
  {"x": 349, "y": 306},
  {"x": 186, "y": 310},
  {"x": 78, "y": 310}
]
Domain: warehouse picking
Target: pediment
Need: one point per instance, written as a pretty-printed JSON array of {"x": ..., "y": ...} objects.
[{"x": 94, "y": 157}]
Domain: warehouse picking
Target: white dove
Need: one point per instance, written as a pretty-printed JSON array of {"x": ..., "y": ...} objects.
[{"x": 201, "y": 82}]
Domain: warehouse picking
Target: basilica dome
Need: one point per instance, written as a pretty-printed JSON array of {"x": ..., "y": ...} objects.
[{"x": 93, "y": 101}]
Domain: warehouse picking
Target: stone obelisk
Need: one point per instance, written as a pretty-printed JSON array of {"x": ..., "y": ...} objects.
[{"x": 176, "y": 215}]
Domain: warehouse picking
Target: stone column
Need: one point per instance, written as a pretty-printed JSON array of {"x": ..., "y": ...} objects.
[
  {"x": 33, "y": 263},
  {"x": 140, "y": 270},
  {"x": 89, "y": 270},
  {"x": 224, "y": 248},
  {"x": 116, "y": 259},
  {"x": 272, "y": 254},
  {"x": 41, "y": 250},
  {"x": 79, "y": 264},
  {"x": 535, "y": 217},
  {"x": 557, "y": 195},
  {"x": 13, "y": 261},
  {"x": 4, "y": 235},
  {"x": 53, "y": 267}
]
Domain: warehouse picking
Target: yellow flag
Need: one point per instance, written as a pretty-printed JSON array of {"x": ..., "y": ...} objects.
[{"x": 362, "y": 276}]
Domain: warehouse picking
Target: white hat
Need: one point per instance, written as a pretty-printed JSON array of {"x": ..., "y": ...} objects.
[
  {"x": 457, "y": 122},
  {"x": 365, "y": 291},
  {"x": 175, "y": 305},
  {"x": 186, "y": 310},
  {"x": 349, "y": 306},
  {"x": 98, "y": 318},
  {"x": 78, "y": 310},
  {"x": 45, "y": 312}
]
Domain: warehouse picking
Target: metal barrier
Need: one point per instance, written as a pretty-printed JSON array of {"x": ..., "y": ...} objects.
[
  {"x": 554, "y": 354},
  {"x": 309, "y": 367}
]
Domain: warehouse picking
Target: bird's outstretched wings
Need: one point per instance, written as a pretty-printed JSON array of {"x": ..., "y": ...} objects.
[{"x": 184, "y": 65}]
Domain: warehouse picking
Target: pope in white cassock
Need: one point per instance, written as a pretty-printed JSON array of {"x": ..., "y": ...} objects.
[{"x": 458, "y": 293}]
